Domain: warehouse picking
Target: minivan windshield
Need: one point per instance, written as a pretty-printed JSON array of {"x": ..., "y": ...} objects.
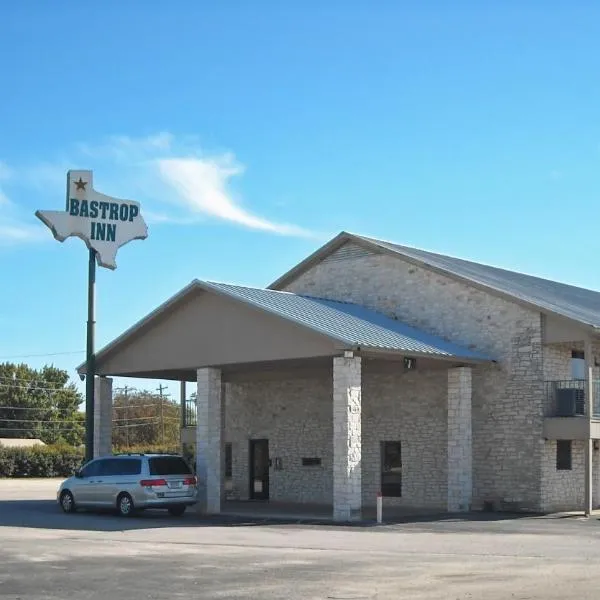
[{"x": 168, "y": 465}]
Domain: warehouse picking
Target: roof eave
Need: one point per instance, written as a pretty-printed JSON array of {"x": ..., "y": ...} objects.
[{"x": 136, "y": 327}]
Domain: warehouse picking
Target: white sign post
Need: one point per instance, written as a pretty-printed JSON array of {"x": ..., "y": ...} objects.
[{"x": 104, "y": 224}]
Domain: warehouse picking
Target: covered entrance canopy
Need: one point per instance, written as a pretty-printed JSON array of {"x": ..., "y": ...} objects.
[
  {"x": 221, "y": 325},
  {"x": 212, "y": 333}
]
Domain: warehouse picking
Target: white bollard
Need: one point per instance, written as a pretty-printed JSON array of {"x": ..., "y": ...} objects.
[{"x": 379, "y": 507}]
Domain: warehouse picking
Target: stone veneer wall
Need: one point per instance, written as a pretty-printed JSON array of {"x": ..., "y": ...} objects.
[
  {"x": 410, "y": 408},
  {"x": 296, "y": 417},
  {"x": 564, "y": 490},
  {"x": 507, "y": 397}
]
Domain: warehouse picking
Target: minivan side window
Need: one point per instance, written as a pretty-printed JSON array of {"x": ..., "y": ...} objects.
[
  {"x": 92, "y": 469},
  {"x": 121, "y": 466}
]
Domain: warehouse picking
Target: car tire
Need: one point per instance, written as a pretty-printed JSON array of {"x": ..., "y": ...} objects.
[
  {"x": 67, "y": 502},
  {"x": 125, "y": 506},
  {"x": 176, "y": 511}
]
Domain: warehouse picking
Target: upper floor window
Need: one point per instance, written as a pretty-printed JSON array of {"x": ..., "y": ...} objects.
[{"x": 577, "y": 364}]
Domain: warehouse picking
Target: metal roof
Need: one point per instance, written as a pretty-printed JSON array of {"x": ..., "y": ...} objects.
[
  {"x": 573, "y": 302},
  {"x": 349, "y": 323}
]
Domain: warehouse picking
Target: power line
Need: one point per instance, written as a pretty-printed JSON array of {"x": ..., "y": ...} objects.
[
  {"x": 42, "y": 355},
  {"x": 34, "y": 388}
]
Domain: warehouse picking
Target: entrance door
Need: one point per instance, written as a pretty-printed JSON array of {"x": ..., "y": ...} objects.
[{"x": 259, "y": 469}]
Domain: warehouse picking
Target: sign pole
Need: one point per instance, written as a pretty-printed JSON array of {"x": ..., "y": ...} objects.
[
  {"x": 105, "y": 224},
  {"x": 90, "y": 369}
]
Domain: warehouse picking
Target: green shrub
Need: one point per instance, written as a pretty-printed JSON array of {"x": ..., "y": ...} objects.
[
  {"x": 40, "y": 461},
  {"x": 148, "y": 449},
  {"x": 59, "y": 460}
]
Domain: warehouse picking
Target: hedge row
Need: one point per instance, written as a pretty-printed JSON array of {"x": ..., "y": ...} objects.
[
  {"x": 40, "y": 461},
  {"x": 54, "y": 461}
]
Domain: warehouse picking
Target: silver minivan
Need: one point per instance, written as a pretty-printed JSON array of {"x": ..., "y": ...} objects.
[{"x": 128, "y": 483}]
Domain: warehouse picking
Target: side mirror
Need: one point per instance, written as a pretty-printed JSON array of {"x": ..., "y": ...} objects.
[{"x": 78, "y": 474}]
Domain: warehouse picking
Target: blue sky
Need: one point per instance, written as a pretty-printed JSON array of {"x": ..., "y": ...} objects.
[{"x": 253, "y": 132}]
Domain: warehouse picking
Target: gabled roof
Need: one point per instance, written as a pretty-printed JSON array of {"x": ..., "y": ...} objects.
[
  {"x": 351, "y": 324},
  {"x": 354, "y": 326},
  {"x": 575, "y": 303}
]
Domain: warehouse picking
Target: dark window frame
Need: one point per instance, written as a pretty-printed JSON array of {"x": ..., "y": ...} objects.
[
  {"x": 311, "y": 461},
  {"x": 564, "y": 455},
  {"x": 228, "y": 460},
  {"x": 391, "y": 468}
]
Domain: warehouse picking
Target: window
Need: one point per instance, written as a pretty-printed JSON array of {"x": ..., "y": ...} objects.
[
  {"x": 311, "y": 462},
  {"x": 563, "y": 455},
  {"x": 391, "y": 469},
  {"x": 577, "y": 364},
  {"x": 122, "y": 466},
  {"x": 168, "y": 465},
  {"x": 92, "y": 469},
  {"x": 228, "y": 460}
]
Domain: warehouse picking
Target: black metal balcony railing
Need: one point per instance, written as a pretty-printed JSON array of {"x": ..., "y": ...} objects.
[
  {"x": 190, "y": 416},
  {"x": 567, "y": 398}
]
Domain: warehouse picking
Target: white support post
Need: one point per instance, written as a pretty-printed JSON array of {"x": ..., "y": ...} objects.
[
  {"x": 379, "y": 508},
  {"x": 103, "y": 414},
  {"x": 589, "y": 406},
  {"x": 347, "y": 443},
  {"x": 460, "y": 457},
  {"x": 208, "y": 440}
]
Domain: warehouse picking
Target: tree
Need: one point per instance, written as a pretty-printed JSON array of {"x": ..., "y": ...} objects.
[
  {"x": 141, "y": 418},
  {"x": 39, "y": 403}
]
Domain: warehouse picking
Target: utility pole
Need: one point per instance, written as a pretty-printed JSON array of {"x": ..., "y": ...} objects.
[
  {"x": 160, "y": 389},
  {"x": 125, "y": 392}
]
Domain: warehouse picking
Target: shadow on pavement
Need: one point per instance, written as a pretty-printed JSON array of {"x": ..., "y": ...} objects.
[{"x": 46, "y": 514}]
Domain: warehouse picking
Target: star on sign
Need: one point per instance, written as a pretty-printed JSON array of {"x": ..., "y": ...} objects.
[{"x": 81, "y": 184}]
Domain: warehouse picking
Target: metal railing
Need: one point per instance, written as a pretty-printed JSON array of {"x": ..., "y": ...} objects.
[
  {"x": 190, "y": 416},
  {"x": 568, "y": 398}
]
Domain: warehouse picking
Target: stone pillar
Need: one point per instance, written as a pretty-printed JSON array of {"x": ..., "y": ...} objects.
[
  {"x": 589, "y": 411},
  {"x": 103, "y": 414},
  {"x": 460, "y": 456},
  {"x": 209, "y": 440},
  {"x": 347, "y": 445}
]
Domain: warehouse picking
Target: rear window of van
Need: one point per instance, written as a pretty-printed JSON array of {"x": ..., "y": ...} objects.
[{"x": 168, "y": 465}]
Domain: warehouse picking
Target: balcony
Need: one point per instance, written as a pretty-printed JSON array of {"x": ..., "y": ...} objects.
[
  {"x": 190, "y": 416},
  {"x": 566, "y": 410}
]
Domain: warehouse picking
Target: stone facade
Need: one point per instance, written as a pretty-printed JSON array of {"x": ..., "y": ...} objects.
[
  {"x": 209, "y": 456},
  {"x": 460, "y": 457},
  {"x": 411, "y": 408},
  {"x": 470, "y": 437},
  {"x": 347, "y": 438},
  {"x": 507, "y": 397},
  {"x": 103, "y": 414},
  {"x": 564, "y": 489},
  {"x": 296, "y": 416}
]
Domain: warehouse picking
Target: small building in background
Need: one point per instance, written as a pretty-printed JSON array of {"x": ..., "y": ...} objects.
[{"x": 20, "y": 442}]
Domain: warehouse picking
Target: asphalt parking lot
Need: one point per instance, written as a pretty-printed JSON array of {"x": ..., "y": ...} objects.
[{"x": 45, "y": 554}]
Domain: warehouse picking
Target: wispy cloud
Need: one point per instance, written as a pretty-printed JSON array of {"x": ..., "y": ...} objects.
[
  {"x": 201, "y": 185},
  {"x": 176, "y": 180},
  {"x": 14, "y": 226}
]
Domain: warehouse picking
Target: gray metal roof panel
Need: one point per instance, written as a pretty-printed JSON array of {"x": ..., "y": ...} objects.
[
  {"x": 349, "y": 323},
  {"x": 573, "y": 302}
]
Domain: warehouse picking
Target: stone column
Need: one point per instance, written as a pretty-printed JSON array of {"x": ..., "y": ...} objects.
[
  {"x": 209, "y": 440},
  {"x": 103, "y": 412},
  {"x": 347, "y": 445},
  {"x": 460, "y": 457}
]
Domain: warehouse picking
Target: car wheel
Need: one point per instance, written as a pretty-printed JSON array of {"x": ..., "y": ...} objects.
[
  {"x": 176, "y": 511},
  {"x": 67, "y": 502},
  {"x": 125, "y": 506}
]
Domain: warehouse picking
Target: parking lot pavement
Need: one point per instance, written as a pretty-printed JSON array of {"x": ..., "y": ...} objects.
[{"x": 45, "y": 554}]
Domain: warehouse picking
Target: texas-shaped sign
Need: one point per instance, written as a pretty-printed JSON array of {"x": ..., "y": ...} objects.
[{"x": 102, "y": 222}]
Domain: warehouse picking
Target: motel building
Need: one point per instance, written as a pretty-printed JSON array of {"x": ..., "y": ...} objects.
[{"x": 369, "y": 367}]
